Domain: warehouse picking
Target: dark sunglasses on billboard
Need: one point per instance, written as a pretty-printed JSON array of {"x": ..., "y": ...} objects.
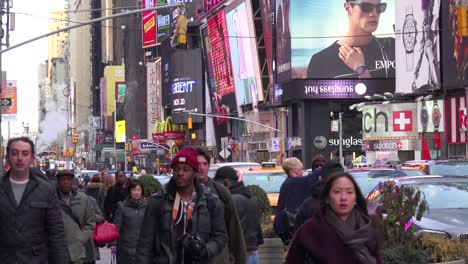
[{"x": 367, "y": 7}]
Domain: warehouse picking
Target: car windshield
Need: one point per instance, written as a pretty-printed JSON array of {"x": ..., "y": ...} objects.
[
  {"x": 368, "y": 180},
  {"x": 445, "y": 195},
  {"x": 413, "y": 172},
  {"x": 269, "y": 182},
  {"x": 451, "y": 169}
]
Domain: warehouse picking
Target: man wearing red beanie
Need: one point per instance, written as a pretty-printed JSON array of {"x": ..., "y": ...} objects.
[{"x": 183, "y": 223}]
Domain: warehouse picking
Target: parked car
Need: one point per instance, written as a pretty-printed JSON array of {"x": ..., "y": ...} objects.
[
  {"x": 127, "y": 173},
  {"x": 235, "y": 165},
  {"x": 369, "y": 178},
  {"x": 447, "y": 198},
  {"x": 162, "y": 178}
]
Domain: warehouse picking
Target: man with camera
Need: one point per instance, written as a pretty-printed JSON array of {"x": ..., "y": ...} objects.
[{"x": 183, "y": 223}]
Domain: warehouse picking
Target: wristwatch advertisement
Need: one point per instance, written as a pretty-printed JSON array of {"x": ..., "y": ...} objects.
[
  {"x": 436, "y": 115},
  {"x": 410, "y": 32},
  {"x": 424, "y": 116}
]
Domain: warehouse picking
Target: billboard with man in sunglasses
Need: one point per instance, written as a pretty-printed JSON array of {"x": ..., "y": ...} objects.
[{"x": 342, "y": 39}]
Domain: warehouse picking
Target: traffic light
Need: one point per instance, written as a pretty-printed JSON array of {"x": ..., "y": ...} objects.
[
  {"x": 75, "y": 138},
  {"x": 71, "y": 152},
  {"x": 64, "y": 152},
  {"x": 189, "y": 123}
]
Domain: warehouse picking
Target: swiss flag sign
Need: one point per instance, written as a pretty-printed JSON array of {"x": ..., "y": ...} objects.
[{"x": 402, "y": 121}]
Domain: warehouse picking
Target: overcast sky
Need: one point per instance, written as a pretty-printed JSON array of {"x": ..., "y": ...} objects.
[{"x": 22, "y": 63}]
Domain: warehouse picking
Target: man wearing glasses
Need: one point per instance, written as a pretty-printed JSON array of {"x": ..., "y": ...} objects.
[{"x": 358, "y": 54}]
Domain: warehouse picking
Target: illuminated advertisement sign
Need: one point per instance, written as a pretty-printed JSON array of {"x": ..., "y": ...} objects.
[
  {"x": 431, "y": 116},
  {"x": 455, "y": 44},
  {"x": 244, "y": 55},
  {"x": 267, "y": 23},
  {"x": 209, "y": 5},
  {"x": 164, "y": 19},
  {"x": 393, "y": 120},
  {"x": 120, "y": 131},
  {"x": 149, "y": 25},
  {"x": 417, "y": 45},
  {"x": 392, "y": 145},
  {"x": 154, "y": 108},
  {"x": 220, "y": 58},
  {"x": 187, "y": 85},
  {"x": 331, "y": 89},
  {"x": 335, "y": 39}
]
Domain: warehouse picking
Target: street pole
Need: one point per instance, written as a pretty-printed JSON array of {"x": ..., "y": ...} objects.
[
  {"x": 85, "y": 23},
  {"x": 115, "y": 133},
  {"x": 340, "y": 126}
]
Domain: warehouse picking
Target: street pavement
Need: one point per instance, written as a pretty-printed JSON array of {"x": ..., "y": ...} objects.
[{"x": 105, "y": 256}]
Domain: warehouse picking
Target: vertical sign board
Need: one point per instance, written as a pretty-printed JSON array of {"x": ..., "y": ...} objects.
[
  {"x": 9, "y": 101},
  {"x": 187, "y": 85},
  {"x": 149, "y": 25},
  {"x": 154, "y": 101}
]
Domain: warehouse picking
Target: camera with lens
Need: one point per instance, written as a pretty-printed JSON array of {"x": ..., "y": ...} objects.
[{"x": 194, "y": 245}]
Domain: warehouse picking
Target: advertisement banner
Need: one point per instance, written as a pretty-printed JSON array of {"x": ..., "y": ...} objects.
[
  {"x": 149, "y": 25},
  {"x": 187, "y": 85},
  {"x": 164, "y": 19},
  {"x": 455, "y": 44},
  {"x": 220, "y": 58},
  {"x": 431, "y": 116},
  {"x": 417, "y": 45},
  {"x": 331, "y": 39},
  {"x": 120, "y": 131},
  {"x": 154, "y": 108},
  {"x": 244, "y": 57},
  {"x": 392, "y": 145},
  {"x": 393, "y": 120},
  {"x": 10, "y": 102},
  {"x": 209, "y": 5},
  {"x": 283, "y": 39},
  {"x": 331, "y": 89},
  {"x": 456, "y": 120},
  {"x": 267, "y": 23}
]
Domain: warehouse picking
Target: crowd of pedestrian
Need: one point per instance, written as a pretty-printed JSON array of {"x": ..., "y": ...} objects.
[{"x": 49, "y": 218}]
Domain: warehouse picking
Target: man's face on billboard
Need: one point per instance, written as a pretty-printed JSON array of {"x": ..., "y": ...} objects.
[{"x": 364, "y": 14}]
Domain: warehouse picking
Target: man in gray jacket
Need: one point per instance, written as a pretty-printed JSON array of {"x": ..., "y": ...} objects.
[
  {"x": 77, "y": 214},
  {"x": 31, "y": 230}
]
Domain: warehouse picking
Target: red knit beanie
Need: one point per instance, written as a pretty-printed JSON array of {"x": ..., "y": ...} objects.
[{"x": 187, "y": 155}]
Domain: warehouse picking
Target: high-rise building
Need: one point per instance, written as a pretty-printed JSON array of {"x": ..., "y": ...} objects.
[{"x": 57, "y": 41}]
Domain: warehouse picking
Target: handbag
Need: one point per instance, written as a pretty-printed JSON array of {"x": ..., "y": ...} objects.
[{"x": 105, "y": 233}]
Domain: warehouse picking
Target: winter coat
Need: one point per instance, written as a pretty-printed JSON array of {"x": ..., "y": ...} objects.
[
  {"x": 92, "y": 250},
  {"x": 246, "y": 206},
  {"x": 310, "y": 205},
  {"x": 114, "y": 195},
  {"x": 319, "y": 241},
  {"x": 128, "y": 219},
  {"x": 78, "y": 235},
  {"x": 32, "y": 232},
  {"x": 293, "y": 192},
  {"x": 157, "y": 238},
  {"x": 235, "y": 251}
]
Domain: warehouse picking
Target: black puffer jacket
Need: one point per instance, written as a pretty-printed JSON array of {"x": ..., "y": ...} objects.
[
  {"x": 246, "y": 207},
  {"x": 128, "y": 219},
  {"x": 32, "y": 232},
  {"x": 311, "y": 204},
  {"x": 157, "y": 237}
]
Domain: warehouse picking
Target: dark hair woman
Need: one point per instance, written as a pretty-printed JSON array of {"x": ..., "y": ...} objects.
[
  {"x": 341, "y": 231},
  {"x": 128, "y": 219}
]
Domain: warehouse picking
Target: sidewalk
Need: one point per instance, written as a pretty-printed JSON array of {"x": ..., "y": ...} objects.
[{"x": 105, "y": 256}]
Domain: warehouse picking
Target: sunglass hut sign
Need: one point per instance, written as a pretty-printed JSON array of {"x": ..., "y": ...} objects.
[{"x": 394, "y": 120}]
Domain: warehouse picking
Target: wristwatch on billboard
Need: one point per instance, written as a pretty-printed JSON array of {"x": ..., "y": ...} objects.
[
  {"x": 410, "y": 32},
  {"x": 424, "y": 116},
  {"x": 360, "y": 70},
  {"x": 436, "y": 116}
]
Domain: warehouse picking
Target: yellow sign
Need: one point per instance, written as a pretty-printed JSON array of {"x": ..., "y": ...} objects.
[{"x": 120, "y": 131}]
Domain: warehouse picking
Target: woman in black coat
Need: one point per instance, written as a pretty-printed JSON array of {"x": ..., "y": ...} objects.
[
  {"x": 128, "y": 219},
  {"x": 341, "y": 231}
]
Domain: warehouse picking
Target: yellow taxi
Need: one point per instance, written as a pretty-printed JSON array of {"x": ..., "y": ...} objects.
[{"x": 269, "y": 177}]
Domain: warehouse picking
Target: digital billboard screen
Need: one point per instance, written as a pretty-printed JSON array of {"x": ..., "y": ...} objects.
[
  {"x": 417, "y": 46},
  {"x": 244, "y": 57},
  {"x": 336, "y": 39},
  {"x": 187, "y": 85}
]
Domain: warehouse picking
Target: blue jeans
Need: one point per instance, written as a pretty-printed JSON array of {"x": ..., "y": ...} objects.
[{"x": 253, "y": 257}]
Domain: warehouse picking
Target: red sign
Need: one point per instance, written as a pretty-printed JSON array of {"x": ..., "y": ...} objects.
[
  {"x": 149, "y": 25},
  {"x": 209, "y": 5},
  {"x": 402, "y": 121},
  {"x": 220, "y": 56},
  {"x": 463, "y": 119}
]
